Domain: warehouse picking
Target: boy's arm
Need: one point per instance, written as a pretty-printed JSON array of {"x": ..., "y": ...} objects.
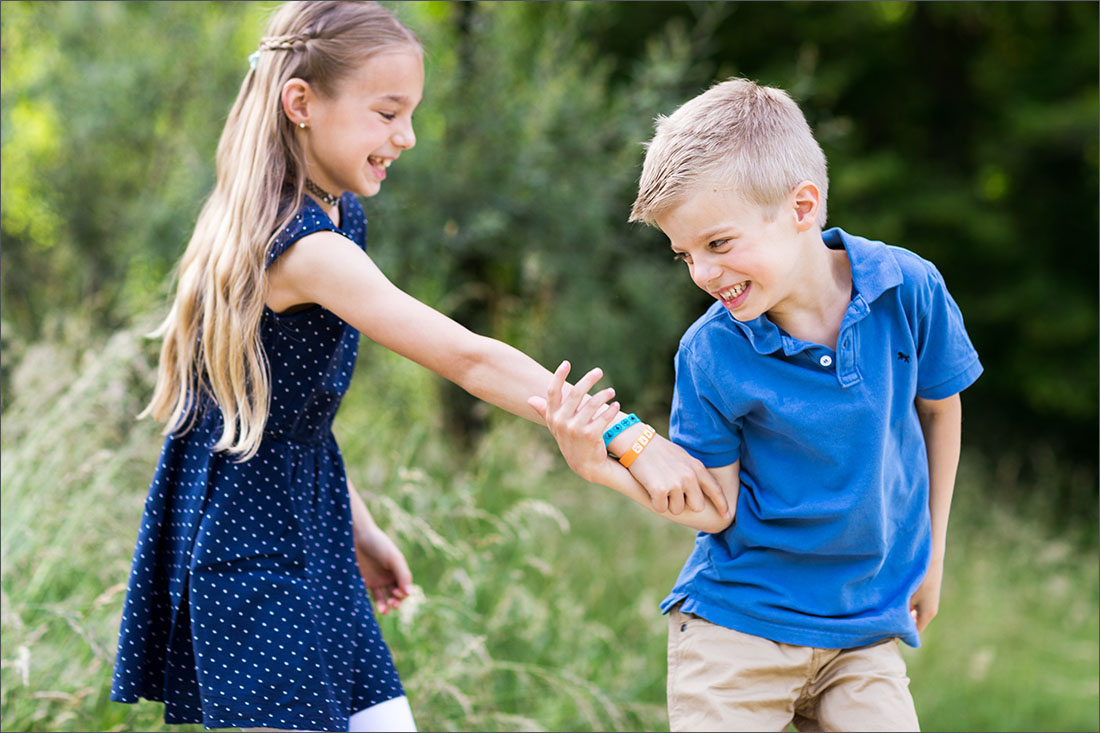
[
  {"x": 578, "y": 422},
  {"x": 941, "y": 423},
  {"x": 614, "y": 476}
]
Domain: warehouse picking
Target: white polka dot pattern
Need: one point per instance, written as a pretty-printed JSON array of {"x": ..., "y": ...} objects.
[{"x": 245, "y": 606}]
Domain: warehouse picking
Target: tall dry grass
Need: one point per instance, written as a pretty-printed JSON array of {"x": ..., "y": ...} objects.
[{"x": 537, "y": 607}]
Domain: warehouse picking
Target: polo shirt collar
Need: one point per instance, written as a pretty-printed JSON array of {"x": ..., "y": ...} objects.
[{"x": 874, "y": 271}]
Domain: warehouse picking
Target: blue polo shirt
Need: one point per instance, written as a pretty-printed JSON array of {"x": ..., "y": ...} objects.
[{"x": 832, "y": 534}]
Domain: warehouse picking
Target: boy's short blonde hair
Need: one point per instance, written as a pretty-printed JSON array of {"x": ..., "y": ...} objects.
[{"x": 752, "y": 137}]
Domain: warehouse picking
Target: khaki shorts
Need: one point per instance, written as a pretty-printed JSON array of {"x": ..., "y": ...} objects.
[{"x": 724, "y": 680}]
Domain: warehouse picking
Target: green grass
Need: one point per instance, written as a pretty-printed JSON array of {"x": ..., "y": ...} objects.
[
  {"x": 538, "y": 594},
  {"x": 1014, "y": 647}
]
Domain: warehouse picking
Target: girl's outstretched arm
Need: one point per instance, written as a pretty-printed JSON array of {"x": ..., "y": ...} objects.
[{"x": 328, "y": 269}]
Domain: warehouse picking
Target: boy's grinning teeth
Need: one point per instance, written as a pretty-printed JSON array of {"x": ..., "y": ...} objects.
[
  {"x": 380, "y": 162},
  {"x": 732, "y": 292}
]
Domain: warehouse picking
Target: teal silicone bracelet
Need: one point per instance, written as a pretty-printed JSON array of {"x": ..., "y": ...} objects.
[{"x": 623, "y": 424}]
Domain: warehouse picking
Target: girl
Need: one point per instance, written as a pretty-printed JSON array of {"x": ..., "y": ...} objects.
[{"x": 246, "y": 606}]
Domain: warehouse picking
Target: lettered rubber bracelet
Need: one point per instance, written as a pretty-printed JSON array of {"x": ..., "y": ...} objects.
[{"x": 639, "y": 445}]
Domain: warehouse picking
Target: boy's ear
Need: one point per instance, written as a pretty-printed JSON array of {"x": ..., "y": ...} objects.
[
  {"x": 806, "y": 202},
  {"x": 295, "y": 97}
]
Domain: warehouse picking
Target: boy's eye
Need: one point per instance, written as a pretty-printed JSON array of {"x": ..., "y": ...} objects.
[
  {"x": 718, "y": 243},
  {"x": 682, "y": 257},
  {"x": 387, "y": 116}
]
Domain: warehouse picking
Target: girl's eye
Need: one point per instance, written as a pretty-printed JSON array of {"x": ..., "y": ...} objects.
[
  {"x": 718, "y": 243},
  {"x": 682, "y": 257}
]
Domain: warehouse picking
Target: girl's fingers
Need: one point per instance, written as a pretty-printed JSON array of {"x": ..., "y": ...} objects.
[
  {"x": 580, "y": 390},
  {"x": 602, "y": 411},
  {"x": 588, "y": 381},
  {"x": 596, "y": 401},
  {"x": 572, "y": 397},
  {"x": 553, "y": 390},
  {"x": 612, "y": 414},
  {"x": 605, "y": 416},
  {"x": 402, "y": 575}
]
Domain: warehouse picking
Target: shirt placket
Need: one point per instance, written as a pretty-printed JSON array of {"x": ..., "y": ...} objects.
[{"x": 847, "y": 366}]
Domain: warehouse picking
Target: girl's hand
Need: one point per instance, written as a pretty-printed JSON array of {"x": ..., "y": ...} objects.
[
  {"x": 384, "y": 569},
  {"x": 578, "y": 420}
]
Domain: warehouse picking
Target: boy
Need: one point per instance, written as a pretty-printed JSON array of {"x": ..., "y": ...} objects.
[{"x": 821, "y": 389}]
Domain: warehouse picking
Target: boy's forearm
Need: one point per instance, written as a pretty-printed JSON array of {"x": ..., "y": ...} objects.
[
  {"x": 941, "y": 423},
  {"x": 614, "y": 476}
]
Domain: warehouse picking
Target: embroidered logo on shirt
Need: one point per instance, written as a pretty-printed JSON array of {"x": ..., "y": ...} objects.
[{"x": 903, "y": 357}]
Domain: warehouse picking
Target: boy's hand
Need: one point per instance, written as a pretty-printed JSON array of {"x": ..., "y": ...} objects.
[
  {"x": 578, "y": 420},
  {"x": 675, "y": 479},
  {"x": 925, "y": 603}
]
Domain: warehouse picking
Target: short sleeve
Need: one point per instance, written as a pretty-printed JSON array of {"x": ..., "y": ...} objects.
[
  {"x": 701, "y": 422},
  {"x": 310, "y": 219},
  {"x": 947, "y": 362}
]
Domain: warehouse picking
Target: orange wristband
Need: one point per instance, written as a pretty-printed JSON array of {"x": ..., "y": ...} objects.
[{"x": 639, "y": 446}]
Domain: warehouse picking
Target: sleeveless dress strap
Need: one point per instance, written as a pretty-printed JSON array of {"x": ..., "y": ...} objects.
[{"x": 311, "y": 218}]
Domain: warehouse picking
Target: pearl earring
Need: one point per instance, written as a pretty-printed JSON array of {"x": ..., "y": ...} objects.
[{"x": 302, "y": 125}]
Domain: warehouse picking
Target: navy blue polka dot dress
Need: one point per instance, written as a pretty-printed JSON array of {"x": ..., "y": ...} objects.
[{"x": 245, "y": 605}]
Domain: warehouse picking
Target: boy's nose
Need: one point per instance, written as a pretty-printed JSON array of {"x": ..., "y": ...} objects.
[{"x": 707, "y": 275}]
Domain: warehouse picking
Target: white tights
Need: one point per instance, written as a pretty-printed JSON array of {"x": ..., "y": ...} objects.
[{"x": 391, "y": 715}]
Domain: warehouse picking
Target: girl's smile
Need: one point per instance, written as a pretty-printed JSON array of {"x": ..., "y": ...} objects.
[{"x": 379, "y": 165}]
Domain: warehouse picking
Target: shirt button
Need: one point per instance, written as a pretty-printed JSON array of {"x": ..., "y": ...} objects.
[{"x": 826, "y": 360}]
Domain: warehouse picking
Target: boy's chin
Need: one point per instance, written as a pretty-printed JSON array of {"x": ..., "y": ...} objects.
[{"x": 743, "y": 315}]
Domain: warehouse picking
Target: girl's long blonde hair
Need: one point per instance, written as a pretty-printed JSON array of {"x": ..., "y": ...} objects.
[{"x": 211, "y": 335}]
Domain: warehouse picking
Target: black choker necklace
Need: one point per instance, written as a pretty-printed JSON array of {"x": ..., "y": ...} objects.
[{"x": 321, "y": 193}]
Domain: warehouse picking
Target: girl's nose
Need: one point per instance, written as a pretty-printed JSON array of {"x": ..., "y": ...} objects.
[{"x": 405, "y": 138}]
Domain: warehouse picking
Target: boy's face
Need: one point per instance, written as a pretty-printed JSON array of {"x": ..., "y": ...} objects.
[{"x": 742, "y": 254}]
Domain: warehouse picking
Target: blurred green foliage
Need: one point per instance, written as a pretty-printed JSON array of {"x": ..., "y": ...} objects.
[{"x": 964, "y": 131}]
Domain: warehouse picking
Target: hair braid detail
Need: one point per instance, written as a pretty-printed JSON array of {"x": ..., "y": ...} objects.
[{"x": 292, "y": 42}]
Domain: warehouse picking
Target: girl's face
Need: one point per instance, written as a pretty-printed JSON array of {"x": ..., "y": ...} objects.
[{"x": 354, "y": 136}]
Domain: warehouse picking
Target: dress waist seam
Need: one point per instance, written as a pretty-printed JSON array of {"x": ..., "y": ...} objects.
[{"x": 303, "y": 441}]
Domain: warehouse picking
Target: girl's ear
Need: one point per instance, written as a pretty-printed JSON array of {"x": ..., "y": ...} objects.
[
  {"x": 296, "y": 96},
  {"x": 806, "y": 199}
]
